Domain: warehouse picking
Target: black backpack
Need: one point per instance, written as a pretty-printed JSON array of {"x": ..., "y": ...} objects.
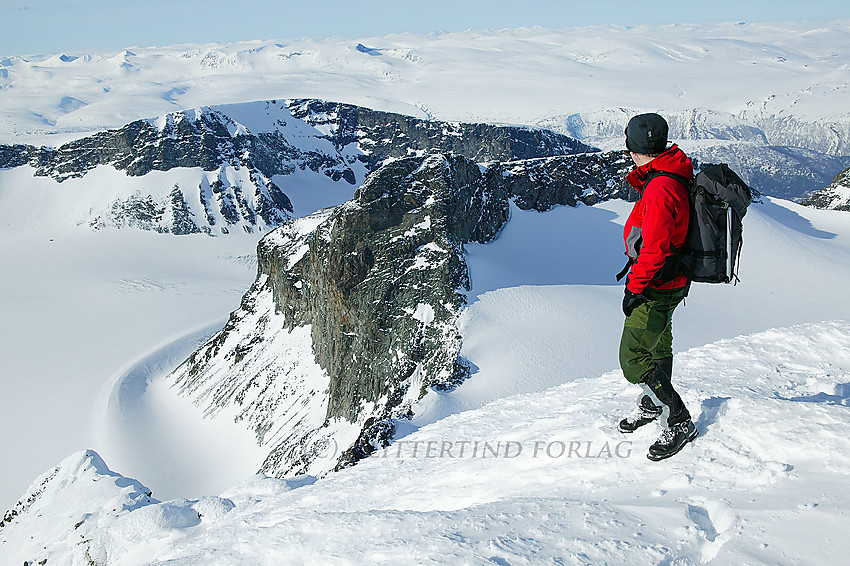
[{"x": 719, "y": 201}]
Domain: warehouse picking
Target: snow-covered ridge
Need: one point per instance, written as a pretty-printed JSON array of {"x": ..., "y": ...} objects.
[
  {"x": 232, "y": 167},
  {"x": 531, "y": 478}
]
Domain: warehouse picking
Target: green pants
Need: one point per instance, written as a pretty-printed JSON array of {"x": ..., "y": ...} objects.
[{"x": 648, "y": 333}]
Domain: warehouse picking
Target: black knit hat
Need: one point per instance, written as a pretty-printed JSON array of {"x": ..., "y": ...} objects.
[{"x": 647, "y": 134}]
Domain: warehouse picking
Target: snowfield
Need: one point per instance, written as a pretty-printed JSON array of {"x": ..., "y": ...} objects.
[
  {"x": 530, "y": 479},
  {"x": 519, "y": 76}
]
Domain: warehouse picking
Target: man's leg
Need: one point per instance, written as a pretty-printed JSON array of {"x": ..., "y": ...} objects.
[
  {"x": 646, "y": 356},
  {"x": 651, "y": 334},
  {"x": 636, "y": 359},
  {"x": 662, "y": 392},
  {"x": 648, "y": 335}
]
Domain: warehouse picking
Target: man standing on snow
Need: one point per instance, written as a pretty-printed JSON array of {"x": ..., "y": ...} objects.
[{"x": 657, "y": 224}]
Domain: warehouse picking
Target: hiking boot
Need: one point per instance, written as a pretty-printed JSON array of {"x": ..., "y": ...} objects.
[
  {"x": 672, "y": 440},
  {"x": 645, "y": 414}
]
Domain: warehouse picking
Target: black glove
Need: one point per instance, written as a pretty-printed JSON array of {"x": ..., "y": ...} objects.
[{"x": 632, "y": 301}]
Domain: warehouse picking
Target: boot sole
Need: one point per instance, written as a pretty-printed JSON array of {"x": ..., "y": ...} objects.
[
  {"x": 659, "y": 457},
  {"x": 627, "y": 431}
]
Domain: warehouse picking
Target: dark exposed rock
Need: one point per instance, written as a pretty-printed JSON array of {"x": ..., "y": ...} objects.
[
  {"x": 181, "y": 216},
  {"x": 835, "y": 196},
  {"x": 588, "y": 179},
  {"x": 379, "y": 282},
  {"x": 384, "y": 277},
  {"x": 272, "y": 208},
  {"x": 373, "y": 436},
  {"x": 12, "y": 156},
  {"x": 138, "y": 211}
]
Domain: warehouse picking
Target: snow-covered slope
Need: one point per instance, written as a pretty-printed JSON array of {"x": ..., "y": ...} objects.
[
  {"x": 80, "y": 308},
  {"x": 93, "y": 322},
  {"x": 535, "y": 478},
  {"x": 542, "y": 333},
  {"x": 544, "y": 292}
]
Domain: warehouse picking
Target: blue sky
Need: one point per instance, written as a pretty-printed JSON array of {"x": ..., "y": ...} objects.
[{"x": 54, "y": 26}]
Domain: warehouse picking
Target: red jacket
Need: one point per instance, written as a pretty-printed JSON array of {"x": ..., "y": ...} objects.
[{"x": 658, "y": 219}]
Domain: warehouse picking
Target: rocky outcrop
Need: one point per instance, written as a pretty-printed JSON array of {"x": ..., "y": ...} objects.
[
  {"x": 206, "y": 138},
  {"x": 382, "y": 135},
  {"x": 15, "y": 155},
  {"x": 835, "y": 196},
  {"x": 540, "y": 184},
  {"x": 352, "y": 317}
]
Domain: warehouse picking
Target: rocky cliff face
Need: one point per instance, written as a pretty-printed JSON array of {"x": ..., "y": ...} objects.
[
  {"x": 829, "y": 136},
  {"x": 835, "y": 196},
  {"x": 245, "y": 155},
  {"x": 352, "y": 317}
]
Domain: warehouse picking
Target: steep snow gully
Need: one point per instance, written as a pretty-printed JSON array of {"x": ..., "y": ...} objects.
[{"x": 146, "y": 427}]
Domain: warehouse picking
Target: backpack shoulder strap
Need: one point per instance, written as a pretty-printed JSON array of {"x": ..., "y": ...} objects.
[{"x": 688, "y": 183}]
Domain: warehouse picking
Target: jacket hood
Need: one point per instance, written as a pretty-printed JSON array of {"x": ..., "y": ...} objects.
[{"x": 673, "y": 160}]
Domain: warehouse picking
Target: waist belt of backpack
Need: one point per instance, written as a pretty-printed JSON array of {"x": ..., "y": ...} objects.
[{"x": 625, "y": 269}]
